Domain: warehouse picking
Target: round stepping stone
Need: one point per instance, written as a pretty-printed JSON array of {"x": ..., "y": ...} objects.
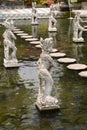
[
  {"x": 77, "y": 66},
  {"x": 83, "y": 74},
  {"x": 31, "y": 39},
  {"x": 22, "y": 34},
  {"x": 35, "y": 42},
  {"x": 54, "y": 50},
  {"x": 58, "y": 54},
  {"x": 66, "y": 60},
  {"x": 38, "y": 46},
  {"x": 18, "y": 31},
  {"x": 27, "y": 36}
]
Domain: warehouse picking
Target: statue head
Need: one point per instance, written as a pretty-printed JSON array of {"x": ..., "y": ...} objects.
[
  {"x": 33, "y": 4},
  {"x": 9, "y": 24},
  {"x": 47, "y": 44}
]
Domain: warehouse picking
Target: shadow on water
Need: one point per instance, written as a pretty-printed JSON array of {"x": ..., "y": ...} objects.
[{"x": 19, "y": 87}]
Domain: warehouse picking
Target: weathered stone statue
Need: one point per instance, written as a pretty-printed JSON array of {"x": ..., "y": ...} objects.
[
  {"x": 52, "y": 23},
  {"x": 10, "y": 59},
  {"x": 77, "y": 29},
  {"x": 45, "y": 63},
  {"x": 55, "y": 8},
  {"x": 34, "y": 14}
]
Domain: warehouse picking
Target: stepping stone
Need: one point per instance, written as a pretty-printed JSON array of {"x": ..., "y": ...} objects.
[
  {"x": 19, "y": 32},
  {"x": 83, "y": 74},
  {"x": 35, "y": 42},
  {"x": 66, "y": 60},
  {"x": 38, "y": 46},
  {"x": 22, "y": 34},
  {"x": 57, "y": 54},
  {"x": 27, "y": 36},
  {"x": 54, "y": 50},
  {"x": 17, "y": 29},
  {"x": 31, "y": 39},
  {"x": 77, "y": 66},
  {"x": 85, "y": 26}
]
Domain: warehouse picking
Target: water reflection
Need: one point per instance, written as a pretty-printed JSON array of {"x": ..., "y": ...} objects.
[
  {"x": 77, "y": 51},
  {"x": 29, "y": 74},
  {"x": 35, "y": 31},
  {"x": 53, "y": 35}
]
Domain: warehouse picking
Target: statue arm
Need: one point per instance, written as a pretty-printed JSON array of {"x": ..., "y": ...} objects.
[
  {"x": 53, "y": 64},
  {"x": 12, "y": 34}
]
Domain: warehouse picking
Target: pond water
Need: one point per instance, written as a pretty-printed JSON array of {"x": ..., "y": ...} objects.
[{"x": 19, "y": 86}]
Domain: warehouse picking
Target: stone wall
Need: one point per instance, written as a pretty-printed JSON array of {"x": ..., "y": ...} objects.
[{"x": 11, "y": 4}]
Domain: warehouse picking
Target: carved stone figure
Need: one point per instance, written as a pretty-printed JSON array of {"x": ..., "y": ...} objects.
[
  {"x": 55, "y": 9},
  {"x": 9, "y": 45},
  {"x": 45, "y": 64},
  {"x": 34, "y": 14},
  {"x": 78, "y": 29},
  {"x": 52, "y": 23}
]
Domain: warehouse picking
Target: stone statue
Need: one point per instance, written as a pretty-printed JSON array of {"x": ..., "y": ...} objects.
[
  {"x": 55, "y": 8},
  {"x": 77, "y": 29},
  {"x": 52, "y": 23},
  {"x": 9, "y": 44},
  {"x": 45, "y": 64},
  {"x": 34, "y": 14}
]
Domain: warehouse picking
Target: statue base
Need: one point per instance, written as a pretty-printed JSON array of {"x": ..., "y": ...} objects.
[
  {"x": 11, "y": 63},
  {"x": 52, "y": 29},
  {"x": 34, "y": 23},
  {"x": 47, "y": 107},
  {"x": 78, "y": 40}
]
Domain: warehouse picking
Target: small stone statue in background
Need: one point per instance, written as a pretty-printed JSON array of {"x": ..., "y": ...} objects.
[
  {"x": 45, "y": 64},
  {"x": 52, "y": 23},
  {"x": 10, "y": 59},
  {"x": 77, "y": 29},
  {"x": 55, "y": 8},
  {"x": 34, "y": 14}
]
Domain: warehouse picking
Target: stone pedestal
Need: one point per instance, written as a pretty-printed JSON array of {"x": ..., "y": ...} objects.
[
  {"x": 78, "y": 39},
  {"x": 47, "y": 107},
  {"x": 52, "y": 29},
  {"x": 11, "y": 63},
  {"x": 34, "y": 23}
]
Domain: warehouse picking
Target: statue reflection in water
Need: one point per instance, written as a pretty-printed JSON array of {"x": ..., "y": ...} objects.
[
  {"x": 53, "y": 35},
  {"x": 34, "y": 30},
  {"x": 77, "y": 49}
]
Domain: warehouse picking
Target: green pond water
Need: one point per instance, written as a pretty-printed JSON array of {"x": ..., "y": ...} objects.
[{"x": 19, "y": 86}]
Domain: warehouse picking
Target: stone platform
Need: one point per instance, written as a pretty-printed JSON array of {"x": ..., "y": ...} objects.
[
  {"x": 77, "y": 66},
  {"x": 47, "y": 108}
]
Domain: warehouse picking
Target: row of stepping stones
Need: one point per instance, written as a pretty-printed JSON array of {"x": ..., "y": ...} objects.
[{"x": 55, "y": 54}]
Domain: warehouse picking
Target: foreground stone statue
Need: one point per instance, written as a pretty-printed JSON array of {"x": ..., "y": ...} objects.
[
  {"x": 77, "y": 29},
  {"x": 45, "y": 63},
  {"x": 52, "y": 23},
  {"x": 10, "y": 59},
  {"x": 34, "y": 14}
]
